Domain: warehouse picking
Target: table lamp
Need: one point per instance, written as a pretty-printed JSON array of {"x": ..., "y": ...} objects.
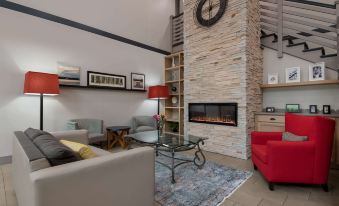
[
  {"x": 158, "y": 92},
  {"x": 37, "y": 83}
]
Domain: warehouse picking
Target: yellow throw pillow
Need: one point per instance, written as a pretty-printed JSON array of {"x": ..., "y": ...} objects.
[{"x": 84, "y": 151}]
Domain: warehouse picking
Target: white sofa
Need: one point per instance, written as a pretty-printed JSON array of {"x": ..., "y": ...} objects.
[{"x": 121, "y": 179}]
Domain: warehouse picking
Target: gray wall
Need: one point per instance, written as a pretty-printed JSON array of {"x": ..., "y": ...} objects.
[
  {"x": 319, "y": 95},
  {"x": 30, "y": 43}
]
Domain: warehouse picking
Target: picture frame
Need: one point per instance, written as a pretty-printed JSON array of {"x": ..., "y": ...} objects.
[
  {"x": 316, "y": 72},
  {"x": 68, "y": 75},
  {"x": 313, "y": 109},
  {"x": 270, "y": 109},
  {"x": 105, "y": 80},
  {"x": 272, "y": 79},
  {"x": 326, "y": 109},
  {"x": 293, "y": 108},
  {"x": 138, "y": 81},
  {"x": 293, "y": 74}
]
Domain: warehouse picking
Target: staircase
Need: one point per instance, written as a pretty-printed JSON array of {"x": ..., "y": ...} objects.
[{"x": 305, "y": 29}]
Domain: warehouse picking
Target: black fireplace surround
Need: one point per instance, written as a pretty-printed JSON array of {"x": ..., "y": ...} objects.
[{"x": 214, "y": 113}]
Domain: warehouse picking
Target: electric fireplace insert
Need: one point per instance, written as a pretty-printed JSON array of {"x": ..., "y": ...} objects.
[{"x": 214, "y": 113}]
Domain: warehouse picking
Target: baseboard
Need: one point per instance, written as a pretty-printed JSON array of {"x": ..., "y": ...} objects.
[{"x": 5, "y": 160}]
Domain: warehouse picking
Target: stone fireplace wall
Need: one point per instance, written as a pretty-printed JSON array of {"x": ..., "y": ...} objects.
[{"x": 223, "y": 63}]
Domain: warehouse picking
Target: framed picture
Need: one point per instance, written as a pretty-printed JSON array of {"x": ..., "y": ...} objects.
[
  {"x": 316, "y": 71},
  {"x": 137, "y": 81},
  {"x": 326, "y": 109},
  {"x": 272, "y": 79},
  {"x": 313, "y": 109},
  {"x": 292, "y": 74},
  {"x": 293, "y": 108},
  {"x": 270, "y": 109},
  {"x": 98, "y": 79},
  {"x": 68, "y": 75}
]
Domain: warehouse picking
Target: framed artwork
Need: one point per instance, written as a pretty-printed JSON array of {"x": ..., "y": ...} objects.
[
  {"x": 68, "y": 75},
  {"x": 270, "y": 109},
  {"x": 326, "y": 109},
  {"x": 313, "y": 109},
  {"x": 316, "y": 71},
  {"x": 98, "y": 79},
  {"x": 292, "y": 74},
  {"x": 272, "y": 79},
  {"x": 137, "y": 81},
  {"x": 293, "y": 108}
]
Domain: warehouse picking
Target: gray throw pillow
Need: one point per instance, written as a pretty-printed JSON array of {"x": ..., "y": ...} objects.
[{"x": 287, "y": 136}]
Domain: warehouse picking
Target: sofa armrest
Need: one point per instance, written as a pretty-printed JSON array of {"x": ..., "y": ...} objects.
[
  {"x": 291, "y": 159},
  {"x": 263, "y": 137},
  {"x": 125, "y": 179},
  {"x": 80, "y": 136}
]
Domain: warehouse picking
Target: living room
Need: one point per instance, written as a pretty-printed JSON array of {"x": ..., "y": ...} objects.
[{"x": 169, "y": 102}]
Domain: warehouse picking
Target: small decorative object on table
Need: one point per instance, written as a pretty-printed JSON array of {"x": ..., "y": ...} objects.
[
  {"x": 313, "y": 109},
  {"x": 272, "y": 79},
  {"x": 326, "y": 109},
  {"x": 98, "y": 79},
  {"x": 160, "y": 122},
  {"x": 293, "y": 108},
  {"x": 137, "y": 81},
  {"x": 316, "y": 71},
  {"x": 293, "y": 74},
  {"x": 270, "y": 109}
]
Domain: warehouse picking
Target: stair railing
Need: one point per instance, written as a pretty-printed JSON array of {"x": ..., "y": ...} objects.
[
  {"x": 312, "y": 22},
  {"x": 177, "y": 23}
]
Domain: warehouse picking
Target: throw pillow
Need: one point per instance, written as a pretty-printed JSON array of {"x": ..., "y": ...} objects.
[
  {"x": 287, "y": 136},
  {"x": 84, "y": 151},
  {"x": 55, "y": 152}
]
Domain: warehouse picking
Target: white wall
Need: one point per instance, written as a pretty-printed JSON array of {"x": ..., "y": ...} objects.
[
  {"x": 30, "y": 43},
  {"x": 305, "y": 96}
]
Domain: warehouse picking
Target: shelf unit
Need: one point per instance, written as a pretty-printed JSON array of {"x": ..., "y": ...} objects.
[
  {"x": 174, "y": 78},
  {"x": 99, "y": 88},
  {"x": 300, "y": 84}
]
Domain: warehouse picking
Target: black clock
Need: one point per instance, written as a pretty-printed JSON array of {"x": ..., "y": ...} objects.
[{"x": 209, "y": 12}]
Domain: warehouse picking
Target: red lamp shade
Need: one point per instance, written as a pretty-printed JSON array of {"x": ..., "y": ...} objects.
[
  {"x": 41, "y": 83},
  {"x": 158, "y": 92}
]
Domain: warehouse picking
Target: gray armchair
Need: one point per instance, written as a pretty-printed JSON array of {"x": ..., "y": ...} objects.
[
  {"x": 143, "y": 123},
  {"x": 95, "y": 129}
]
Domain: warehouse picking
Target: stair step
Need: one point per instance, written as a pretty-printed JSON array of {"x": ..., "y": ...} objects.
[
  {"x": 285, "y": 38},
  {"x": 305, "y": 34},
  {"x": 334, "y": 26},
  {"x": 328, "y": 55},
  {"x": 313, "y": 49},
  {"x": 296, "y": 44}
]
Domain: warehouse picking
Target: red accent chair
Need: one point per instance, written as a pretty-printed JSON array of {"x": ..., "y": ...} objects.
[{"x": 305, "y": 162}]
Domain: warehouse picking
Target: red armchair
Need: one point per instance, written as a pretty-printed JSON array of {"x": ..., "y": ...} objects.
[{"x": 305, "y": 162}]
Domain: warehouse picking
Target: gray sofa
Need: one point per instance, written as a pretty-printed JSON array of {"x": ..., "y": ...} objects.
[{"x": 124, "y": 179}]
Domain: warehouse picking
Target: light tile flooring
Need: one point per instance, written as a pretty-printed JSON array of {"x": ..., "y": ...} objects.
[{"x": 254, "y": 192}]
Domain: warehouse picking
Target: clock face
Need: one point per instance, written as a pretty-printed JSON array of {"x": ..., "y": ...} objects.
[{"x": 208, "y": 12}]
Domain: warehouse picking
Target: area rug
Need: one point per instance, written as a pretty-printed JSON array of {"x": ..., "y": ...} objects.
[{"x": 208, "y": 186}]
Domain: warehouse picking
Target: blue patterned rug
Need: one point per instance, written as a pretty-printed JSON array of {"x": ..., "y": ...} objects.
[{"x": 208, "y": 186}]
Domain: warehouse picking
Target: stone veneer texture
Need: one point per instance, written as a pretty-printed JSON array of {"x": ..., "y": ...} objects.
[{"x": 223, "y": 63}]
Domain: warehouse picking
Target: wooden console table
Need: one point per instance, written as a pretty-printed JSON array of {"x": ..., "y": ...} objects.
[
  {"x": 116, "y": 134},
  {"x": 275, "y": 122}
]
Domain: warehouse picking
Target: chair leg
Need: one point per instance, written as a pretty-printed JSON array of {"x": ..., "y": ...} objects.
[
  {"x": 255, "y": 167},
  {"x": 271, "y": 186},
  {"x": 325, "y": 187}
]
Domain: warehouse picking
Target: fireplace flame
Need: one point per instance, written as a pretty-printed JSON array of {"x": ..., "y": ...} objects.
[{"x": 221, "y": 120}]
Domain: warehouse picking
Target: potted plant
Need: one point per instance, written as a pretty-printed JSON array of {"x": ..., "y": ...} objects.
[{"x": 174, "y": 126}]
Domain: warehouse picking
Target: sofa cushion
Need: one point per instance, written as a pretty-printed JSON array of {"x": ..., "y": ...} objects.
[
  {"x": 54, "y": 150},
  {"x": 33, "y": 133},
  {"x": 261, "y": 152},
  {"x": 287, "y": 136},
  {"x": 99, "y": 152},
  {"x": 144, "y": 129}
]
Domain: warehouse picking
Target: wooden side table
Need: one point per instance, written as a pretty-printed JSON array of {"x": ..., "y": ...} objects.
[{"x": 116, "y": 134}]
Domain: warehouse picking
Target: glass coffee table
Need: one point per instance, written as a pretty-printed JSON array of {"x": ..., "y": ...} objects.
[{"x": 172, "y": 144}]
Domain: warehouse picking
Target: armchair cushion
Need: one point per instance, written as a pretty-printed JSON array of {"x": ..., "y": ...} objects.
[
  {"x": 144, "y": 129},
  {"x": 287, "y": 136},
  {"x": 96, "y": 137},
  {"x": 263, "y": 137}
]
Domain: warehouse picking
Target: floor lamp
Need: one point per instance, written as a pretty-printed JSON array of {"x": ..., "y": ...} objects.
[
  {"x": 158, "y": 92},
  {"x": 37, "y": 83}
]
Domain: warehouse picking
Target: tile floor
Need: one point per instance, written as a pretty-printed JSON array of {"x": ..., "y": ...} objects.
[{"x": 254, "y": 192}]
